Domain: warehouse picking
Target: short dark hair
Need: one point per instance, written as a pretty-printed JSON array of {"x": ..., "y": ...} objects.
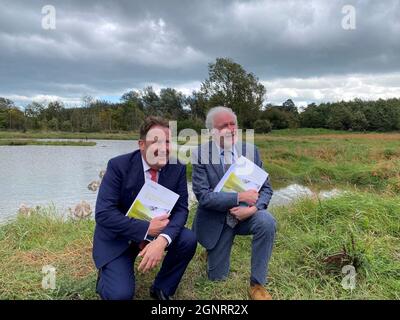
[{"x": 150, "y": 122}]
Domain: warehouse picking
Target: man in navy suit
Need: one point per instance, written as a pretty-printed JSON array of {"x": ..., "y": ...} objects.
[{"x": 118, "y": 239}]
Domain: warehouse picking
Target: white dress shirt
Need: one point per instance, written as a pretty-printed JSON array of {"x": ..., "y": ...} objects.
[
  {"x": 228, "y": 157},
  {"x": 147, "y": 176}
]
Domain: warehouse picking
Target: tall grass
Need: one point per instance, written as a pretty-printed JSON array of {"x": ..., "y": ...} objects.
[{"x": 314, "y": 240}]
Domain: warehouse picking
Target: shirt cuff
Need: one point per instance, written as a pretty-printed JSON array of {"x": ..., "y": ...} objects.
[{"x": 166, "y": 237}]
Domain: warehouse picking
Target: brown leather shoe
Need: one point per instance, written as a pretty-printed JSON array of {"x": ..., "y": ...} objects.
[{"x": 258, "y": 292}]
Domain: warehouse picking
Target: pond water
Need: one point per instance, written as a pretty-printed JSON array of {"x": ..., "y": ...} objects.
[{"x": 59, "y": 176}]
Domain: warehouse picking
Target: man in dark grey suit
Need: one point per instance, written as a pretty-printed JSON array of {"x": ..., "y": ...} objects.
[{"x": 219, "y": 217}]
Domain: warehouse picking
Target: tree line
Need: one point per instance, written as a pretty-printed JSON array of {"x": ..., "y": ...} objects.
[{"x": 228, "y": 83}]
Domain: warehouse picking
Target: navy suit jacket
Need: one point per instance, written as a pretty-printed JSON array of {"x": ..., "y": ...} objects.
[{"x": 121, "y": 184}]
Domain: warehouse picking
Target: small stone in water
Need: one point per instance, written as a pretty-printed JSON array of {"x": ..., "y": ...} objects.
[
  {"x": 94, "y": 185},
  {"x": 25, "y": 210},
  {"x": 102, "y": 173}
]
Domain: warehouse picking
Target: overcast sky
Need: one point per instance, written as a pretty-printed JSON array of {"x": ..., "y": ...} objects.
[{"x": 298, "y": 49}]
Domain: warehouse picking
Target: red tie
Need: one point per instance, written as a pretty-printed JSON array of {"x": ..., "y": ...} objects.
[{"x": 153, "y": 174}]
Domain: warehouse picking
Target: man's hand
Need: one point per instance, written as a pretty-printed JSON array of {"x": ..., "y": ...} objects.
[
  {"x": 152, "y": 254},
  {"x": 242, "y": 213},
  {"x": 249, "y": 196},
  {"x": 157, "y": 225}
]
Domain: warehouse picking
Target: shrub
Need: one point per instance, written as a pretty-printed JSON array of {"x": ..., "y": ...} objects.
[{"x": 262, "y": 126}]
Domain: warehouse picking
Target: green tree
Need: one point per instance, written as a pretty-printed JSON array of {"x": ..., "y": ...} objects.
[
  {"x": 151, "y": 102},
  {"x": 134, "y": 97},
  {"x": 231, "y": 85},
  {"x": 132, "y": 116},
  {"x": 198, "y": 105},
  {"x": 76, "y": 119},
  {"x": 66, "y": 125},
  {"x": 6, "y": 114},
  {"x": 279, "y": 119},
  {"x": 358, "y": 121},
  {"x": 340, "y": 117},
  {"x": 313, "y": 116},
  {"x": 87, "y": 101},
  {"x": 53, "y": 124},
  {"x": 54, "y": 110},
  {"x": 171, "y": 103},
  {"x": 105, "y": 119},
  {"x": 5, "y": 105},
  {"x": 289, "y": 106},
  {"x": 33, "y": 114},
  {"x": 11, "y": 117}
]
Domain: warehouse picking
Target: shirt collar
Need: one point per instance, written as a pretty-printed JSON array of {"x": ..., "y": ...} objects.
[
  {"x": 146, "y": 167},
  {"x": 220, "y": 150}
]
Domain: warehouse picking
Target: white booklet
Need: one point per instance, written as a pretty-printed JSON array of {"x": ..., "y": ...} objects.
[
  {"x": 241, "y": 176},
  {"x": 153, "y": 200}
]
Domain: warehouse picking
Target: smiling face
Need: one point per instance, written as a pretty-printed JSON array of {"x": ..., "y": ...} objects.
[
  {"x": 225, "y": 129},
  {"x": 155, "y": 147}
]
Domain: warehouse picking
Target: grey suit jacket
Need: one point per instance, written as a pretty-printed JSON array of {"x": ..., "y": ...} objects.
[{"x": 213, "y": 206}]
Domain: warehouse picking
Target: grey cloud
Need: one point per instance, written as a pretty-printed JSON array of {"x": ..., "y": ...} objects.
[{"x": 104, "y": 48}]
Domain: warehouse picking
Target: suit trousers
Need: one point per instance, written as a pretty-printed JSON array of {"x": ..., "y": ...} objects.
[
  {"x": 117, "y": 278},
  {"x": 262, "y": 226}
]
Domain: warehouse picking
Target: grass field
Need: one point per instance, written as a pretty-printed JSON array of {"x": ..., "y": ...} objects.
[
  {"x": 315, "y": 238},
  {"x": 357, "y": 160},
  {"x": 317, "y": 157},
  {"x": 309, "y": 232}
]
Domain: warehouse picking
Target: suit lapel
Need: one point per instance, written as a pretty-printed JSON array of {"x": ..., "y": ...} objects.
[
  {"x": 137, "y": 176},
  {"x": 240, "y": 149},
  {"x": 161, "y": 175}
]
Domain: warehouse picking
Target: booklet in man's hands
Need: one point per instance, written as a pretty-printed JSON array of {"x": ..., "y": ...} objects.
[
  {"x": 153, "y": 200},
  {"x": 241, "y": 176}
]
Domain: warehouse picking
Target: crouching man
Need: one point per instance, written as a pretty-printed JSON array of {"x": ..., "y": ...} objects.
[
  {"x": 219, "y": 217},
  {"x": 118, "y": 239}
]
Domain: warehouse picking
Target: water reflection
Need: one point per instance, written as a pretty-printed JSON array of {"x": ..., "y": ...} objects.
[{"x": 294, "y": 192}]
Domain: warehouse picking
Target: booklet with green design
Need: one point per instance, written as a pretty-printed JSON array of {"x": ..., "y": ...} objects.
[
  {"x": 153, "y": 200},
  {"x": 241, "y": 176}
]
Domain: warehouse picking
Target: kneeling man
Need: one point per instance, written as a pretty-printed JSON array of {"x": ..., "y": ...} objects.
[
  {"x": 219, "y": 217},
  {"x": 118, "y": 239}
]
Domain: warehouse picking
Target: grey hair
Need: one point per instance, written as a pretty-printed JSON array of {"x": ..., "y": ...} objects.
[{"x": 214, "y": 111}]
